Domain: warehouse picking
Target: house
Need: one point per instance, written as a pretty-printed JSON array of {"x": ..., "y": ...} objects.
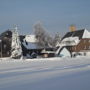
[
  {"x": 10, "y": 44},
  {"x": 5, "y": 43},
  {"x": 30, "y": 49},
  {"x": 28, "y": 43},
  {"x": 64, "y": 52},
  {"x": 15, "y": 46},
  {"x": 77, "y": 42}
]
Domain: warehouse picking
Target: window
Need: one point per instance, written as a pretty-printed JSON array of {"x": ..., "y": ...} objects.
[
  {"x": 7, "y": 33},
  {"x": 8, "y": 53},
  {"x": 89, "y": 41},
  {"x": 75, "y": 48},
  {"x": 84, "y": 41},
  {"x": 85, "y": 47},
  {"x": 89, "y": 47},
  {"x": 5, "y": 46}
]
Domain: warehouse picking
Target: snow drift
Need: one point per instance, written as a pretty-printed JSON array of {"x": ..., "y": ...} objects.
[{"x": 45, "y": 74}]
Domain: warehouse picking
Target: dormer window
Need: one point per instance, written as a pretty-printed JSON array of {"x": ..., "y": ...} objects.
[{"x": 5, "y": 46}]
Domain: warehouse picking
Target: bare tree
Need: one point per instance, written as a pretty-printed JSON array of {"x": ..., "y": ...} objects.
[
  {"x": 57, "y": 39},
  {"x": 44, "y": 39}
]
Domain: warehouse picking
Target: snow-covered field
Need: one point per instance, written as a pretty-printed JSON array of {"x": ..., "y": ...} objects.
[{"x": 46, "y": 74}]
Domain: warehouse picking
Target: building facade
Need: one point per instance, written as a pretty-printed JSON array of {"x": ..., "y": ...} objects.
[
  {"x": 77, "y": 42},
  {"x": 5, "y": 43}
]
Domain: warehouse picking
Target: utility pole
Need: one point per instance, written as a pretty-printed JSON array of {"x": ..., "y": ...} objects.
[{"x": 1, "y": 47}]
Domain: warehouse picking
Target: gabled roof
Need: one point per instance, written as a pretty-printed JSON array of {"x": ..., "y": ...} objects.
[
  {"x": 7, "y": 33},
  {"x": 31, "y": 38},
  {"x": 65, "y": 52},
  {"x": 77, "y": 33},
  {"x": 86, "y": 34},
  {"x": 29, "y": 45}
]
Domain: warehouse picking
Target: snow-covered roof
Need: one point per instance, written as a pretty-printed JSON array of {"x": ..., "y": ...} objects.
[
  {"x": 30, "y": 45},
  {"x": 65, "y": 53},
  {"x": 30, "y": 38},
  {"x": 44, "y": 51},
  {"x": 73, "y": 38},
  {"x": 78, "y": 33},
  {"x": 70, "y": 41},
  {"x": 86, "y": 34}
]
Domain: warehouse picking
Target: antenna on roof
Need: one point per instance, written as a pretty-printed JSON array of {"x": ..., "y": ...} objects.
[{"x": 72, "y": 28}]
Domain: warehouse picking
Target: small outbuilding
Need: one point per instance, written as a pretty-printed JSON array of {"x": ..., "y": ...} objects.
[{"x": 65, "y": 52}]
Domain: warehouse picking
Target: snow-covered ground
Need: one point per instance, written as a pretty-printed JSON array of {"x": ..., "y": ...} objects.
[{"x": 45, "y": 74}]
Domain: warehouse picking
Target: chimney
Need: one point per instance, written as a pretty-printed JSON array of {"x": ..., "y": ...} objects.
[{"x": 72, "y": 28}]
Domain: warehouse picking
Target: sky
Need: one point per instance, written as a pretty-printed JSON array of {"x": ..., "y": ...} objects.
[{"x": 55, "y": 15}]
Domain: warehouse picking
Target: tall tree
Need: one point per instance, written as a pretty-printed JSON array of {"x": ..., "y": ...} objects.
[
  {"x": 57, "y": 39},
  {"x": 43, "y": 38}
]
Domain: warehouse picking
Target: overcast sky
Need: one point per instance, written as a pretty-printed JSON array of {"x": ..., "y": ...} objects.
[{"x": 56, "y": 15}]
